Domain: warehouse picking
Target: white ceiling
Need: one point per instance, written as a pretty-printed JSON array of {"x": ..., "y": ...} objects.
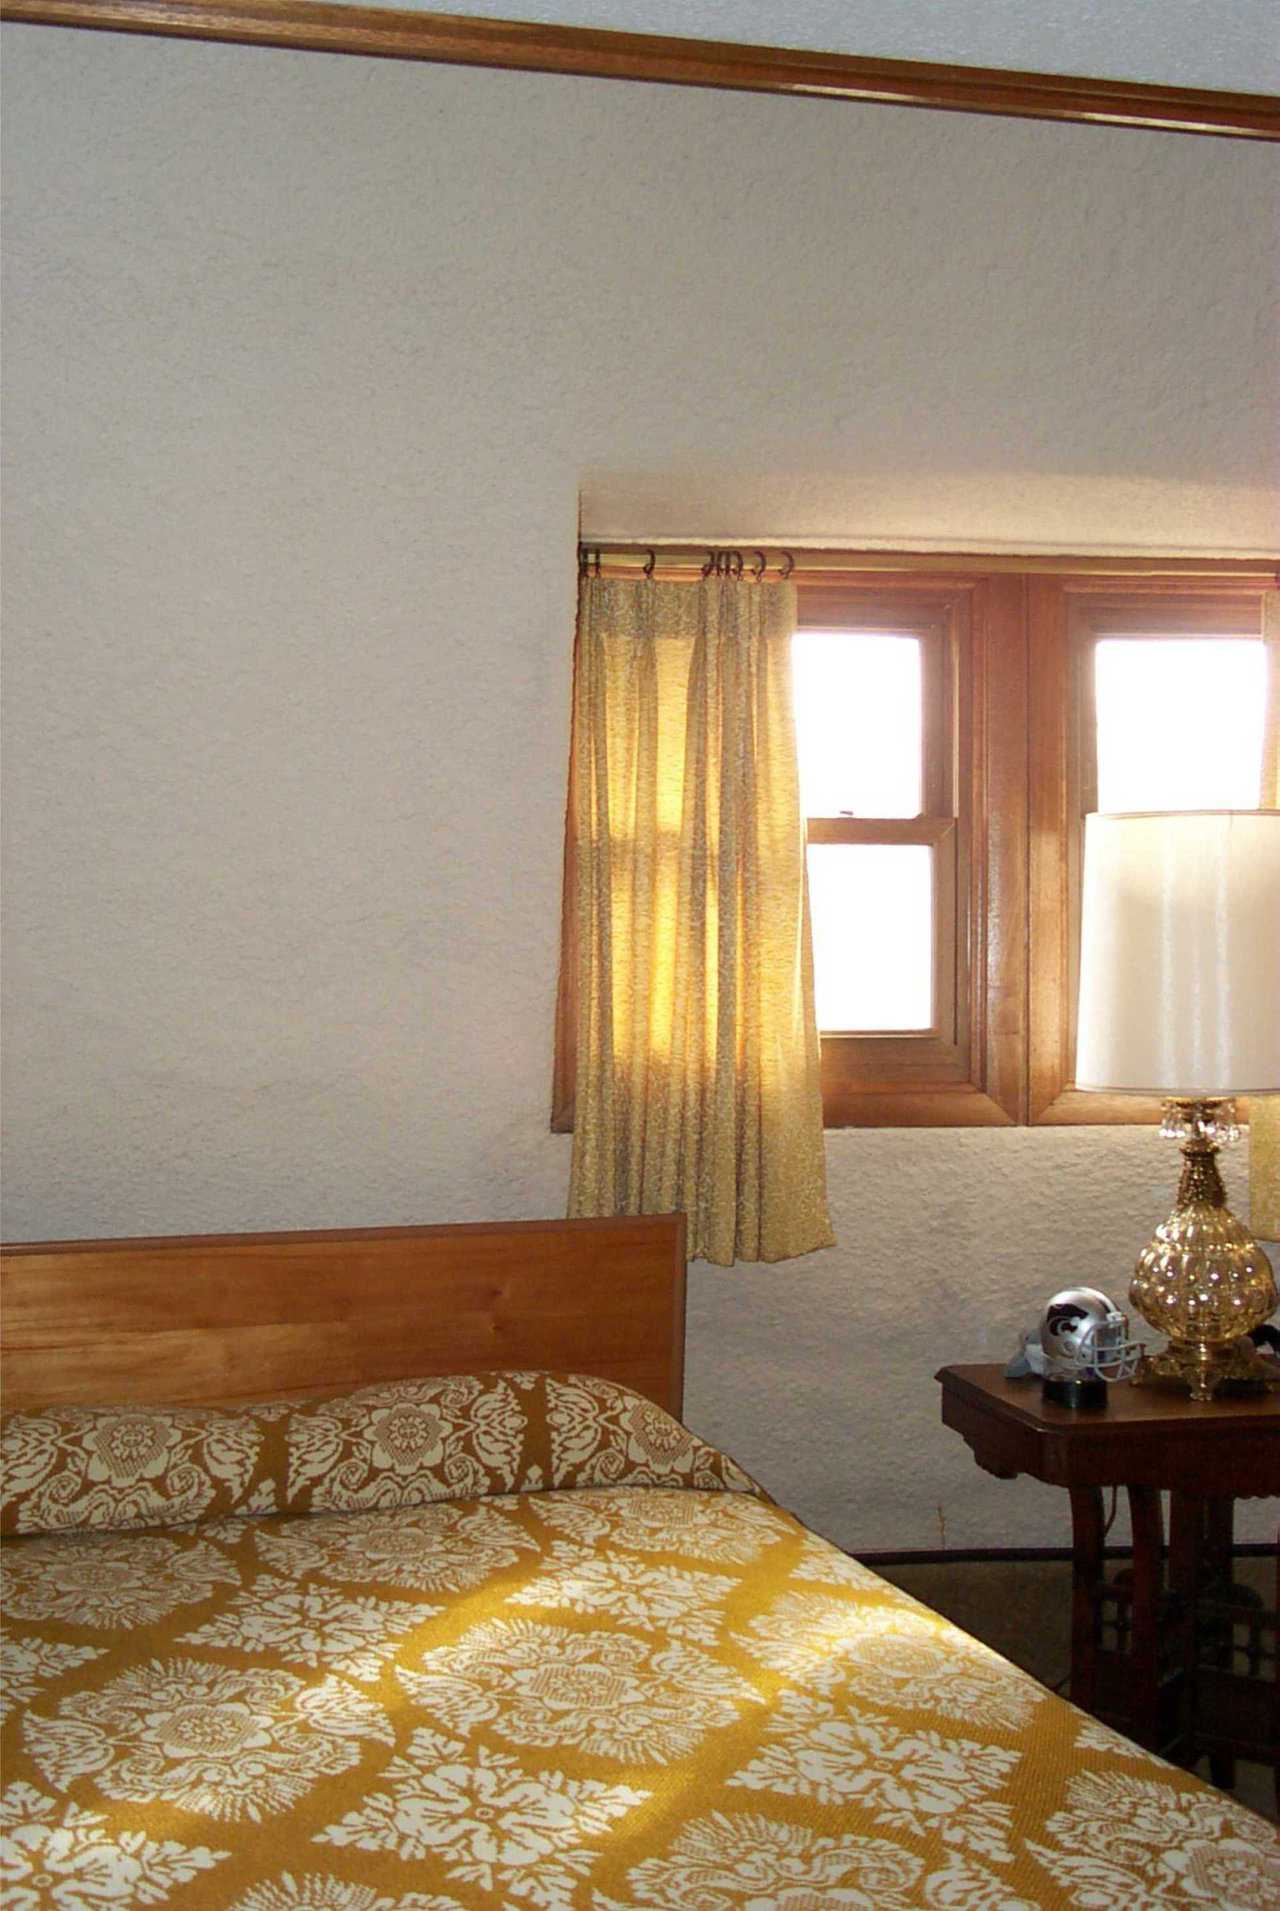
[{"x": 1230, "y": 44}]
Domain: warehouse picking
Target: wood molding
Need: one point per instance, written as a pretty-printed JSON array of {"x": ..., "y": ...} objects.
[
  {"x": 385, "y": 33},
  {"x": 938, "y": 1105},
  {"x": 1048, "y": 916},
  {"x": 1002, "y": 906}
]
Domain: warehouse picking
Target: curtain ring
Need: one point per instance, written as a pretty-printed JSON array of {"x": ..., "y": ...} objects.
[
  {"x": 735, "y": 563},
  {"x": 758, "y": 570},
  {"x": 791, "y": 564},
  {"x": 649, "y": 564},
  {"x": 710, "y": 564}
]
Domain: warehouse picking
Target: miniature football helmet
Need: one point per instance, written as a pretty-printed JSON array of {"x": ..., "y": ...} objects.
[{"x": 1085, "y": 1336}]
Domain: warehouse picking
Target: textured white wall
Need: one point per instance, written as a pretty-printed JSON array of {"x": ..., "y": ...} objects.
[
  {"x": 1175, "y": 42},
  {"x": 308, "y": 359}
]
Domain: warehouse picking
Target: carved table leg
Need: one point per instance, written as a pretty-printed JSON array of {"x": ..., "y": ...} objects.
[
  {"x": 1219, "y": 1535},
  {"x": 1144, "y": 1646},
  {"x": 1086, "y": 1578},
  {"x": 1200, "y": 1546},
  {"x": 1187, "y": 1536},
  {"x": 1220, "y": 1538}
]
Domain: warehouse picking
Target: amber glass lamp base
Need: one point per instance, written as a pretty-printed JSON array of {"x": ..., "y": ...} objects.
[{"x": 1203, "y": 1281}]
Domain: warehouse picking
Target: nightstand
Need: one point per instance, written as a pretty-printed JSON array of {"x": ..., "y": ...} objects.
[{"x": 1160, "y": 1653}]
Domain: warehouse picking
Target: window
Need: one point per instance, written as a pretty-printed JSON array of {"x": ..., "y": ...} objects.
[
  {"x": 955, "y": 721},
  {"x": 901, "y": 754},
  {"x": 876, "y": 859},
  {"x": 1146, "y": 694},
  {"x": 1177, "y": 722}
]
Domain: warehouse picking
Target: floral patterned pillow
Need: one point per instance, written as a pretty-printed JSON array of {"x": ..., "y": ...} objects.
[
  {"x": 132, "y": 1466},
  {"x": 408, "y": 1441},
  {"x": 603, "y": 1434},
  {"x": 398, "y": 1443},
  {"x": 473, "y": 1435}
]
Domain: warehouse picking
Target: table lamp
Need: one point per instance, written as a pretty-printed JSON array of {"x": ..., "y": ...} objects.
[{"x": 1180, "y": 997}]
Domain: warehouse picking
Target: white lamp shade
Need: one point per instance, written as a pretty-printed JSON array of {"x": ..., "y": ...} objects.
[{"x": 1180, "y": 954}]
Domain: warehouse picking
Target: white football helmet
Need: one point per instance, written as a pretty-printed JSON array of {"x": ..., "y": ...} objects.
[{"x": 1084, "y": 1335}]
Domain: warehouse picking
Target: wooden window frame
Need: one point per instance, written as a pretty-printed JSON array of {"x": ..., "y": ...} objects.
[
  {"x": 1017, "y": 700},
  {"x": 936, "y": 826},
  {"x": 964, "y": 1071},
  {"x": 1067, "y": 619}
]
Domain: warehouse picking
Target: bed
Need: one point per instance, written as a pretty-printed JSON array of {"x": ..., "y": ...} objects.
[{"x": 387, "y": 1577}]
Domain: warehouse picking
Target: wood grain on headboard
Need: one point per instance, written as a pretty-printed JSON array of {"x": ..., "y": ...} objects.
[{"x": 244, "y": 1316}]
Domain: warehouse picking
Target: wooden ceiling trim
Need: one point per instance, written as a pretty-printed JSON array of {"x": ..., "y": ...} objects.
[{"x": 463, "y": 40}]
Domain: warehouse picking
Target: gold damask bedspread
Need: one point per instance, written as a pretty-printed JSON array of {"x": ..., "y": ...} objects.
[{"x": 588, "y": 1697}]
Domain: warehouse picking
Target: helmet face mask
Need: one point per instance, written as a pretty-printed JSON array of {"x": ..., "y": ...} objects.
[{"x": 1086, "y": 1337}]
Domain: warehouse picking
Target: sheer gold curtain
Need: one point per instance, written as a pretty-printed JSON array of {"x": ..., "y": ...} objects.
[
  {"x": 1264, "y": 1118},
  {"x": 697, "y": 1048},
  {"x": 1270, "y": 798}
]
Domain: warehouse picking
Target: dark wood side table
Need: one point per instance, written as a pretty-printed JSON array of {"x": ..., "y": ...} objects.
[{"x": 1151, "y": 1654}]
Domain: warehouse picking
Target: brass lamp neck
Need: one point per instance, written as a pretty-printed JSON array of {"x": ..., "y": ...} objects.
[
  {"x": 1201, "y": 1125},
  {"x": 1200, "y": 1180}
]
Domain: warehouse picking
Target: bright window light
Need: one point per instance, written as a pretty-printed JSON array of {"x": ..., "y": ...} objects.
[
  {"x": 858, "y": 722},
  {"x": 872, "y": 911},
  {"x": 1180, "y": 723}
]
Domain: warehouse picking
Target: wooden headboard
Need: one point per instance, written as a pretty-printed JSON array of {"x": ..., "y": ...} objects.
[{"x": 249, "y": 1316}]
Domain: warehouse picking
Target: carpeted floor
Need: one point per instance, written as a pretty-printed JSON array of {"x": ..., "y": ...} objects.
[{"x": 1022, "y": 1608}]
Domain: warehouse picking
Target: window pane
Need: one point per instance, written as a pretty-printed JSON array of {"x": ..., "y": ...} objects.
[
  {"x": 872, "y": 910},
  {"x": 858, "y": 722},
  {"x": 1180, "y": 723}
]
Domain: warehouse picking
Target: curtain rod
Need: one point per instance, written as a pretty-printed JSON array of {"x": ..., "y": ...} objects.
[{"x": 678, "y": 562}]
